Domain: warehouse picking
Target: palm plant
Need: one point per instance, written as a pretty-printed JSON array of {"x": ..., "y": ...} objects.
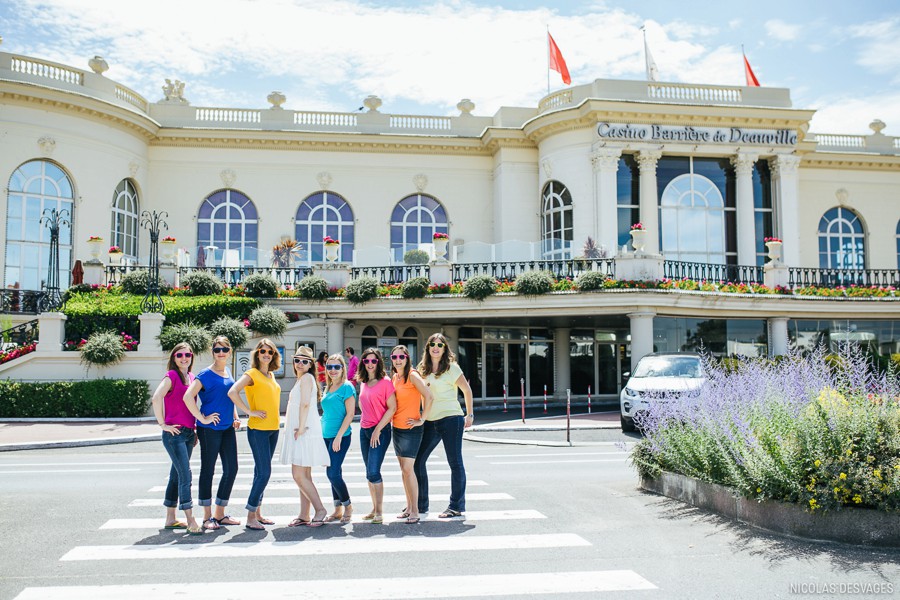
[{"x": 286, "y": 253}]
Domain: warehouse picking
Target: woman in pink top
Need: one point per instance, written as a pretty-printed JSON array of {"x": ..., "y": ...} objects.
[
  {"x": 377, "y": 404},
  {"x": 178, "y": 422}
]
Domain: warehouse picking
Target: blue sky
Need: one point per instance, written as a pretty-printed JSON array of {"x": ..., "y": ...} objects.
[{"x": 842, "y": 58}]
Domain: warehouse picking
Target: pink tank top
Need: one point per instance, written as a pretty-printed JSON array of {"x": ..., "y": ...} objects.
[{"x": 177, "y": 412}]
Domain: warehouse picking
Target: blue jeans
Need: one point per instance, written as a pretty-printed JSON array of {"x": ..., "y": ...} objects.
[
  {"x": 373, "y": 457},
  {"x": 179, "y": 447},
  {"x": 335, "y": 473},
  {"x": 262, "y": 445},
  {"x": 448, "y": 430},
  {"x": 217, "y": 443}
]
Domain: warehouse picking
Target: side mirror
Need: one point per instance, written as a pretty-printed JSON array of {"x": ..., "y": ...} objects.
[{"x": 626, "y": 374}]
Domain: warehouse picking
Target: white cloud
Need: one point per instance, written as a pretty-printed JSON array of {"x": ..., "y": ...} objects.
[
  {"x": 852, "y": 115},
  {"x": 781, "y": 31},
  {"x": 880, "y": 45}
]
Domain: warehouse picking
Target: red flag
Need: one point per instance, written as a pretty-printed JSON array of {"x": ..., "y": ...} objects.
[
  {"x": 557, "y": 62},
  {"x": 752, "y": 81}
]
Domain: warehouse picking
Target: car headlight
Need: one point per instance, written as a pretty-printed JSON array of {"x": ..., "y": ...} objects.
[{"x": 630, "y": 392}]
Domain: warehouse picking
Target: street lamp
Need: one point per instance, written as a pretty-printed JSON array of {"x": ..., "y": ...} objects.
[
  {"x": 152, "y": 221},
  {"x": 51, "y": 299}
]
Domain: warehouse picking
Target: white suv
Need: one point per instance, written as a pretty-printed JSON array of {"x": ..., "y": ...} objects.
[{"x": 659, "y": 375}]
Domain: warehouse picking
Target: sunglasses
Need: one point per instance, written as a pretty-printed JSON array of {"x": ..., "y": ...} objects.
[
  {"x": 265, "y": 352},
  {"x": 221, "y": 350},
  {"x": 437, "y": 344},
  {"x": 334, "y": 367},
  {"x": 302, "y": 361},
  {"x": 370, "y": 361},
  {"x": 398, "y": 356},
  {"x": 184, "y": 355}
]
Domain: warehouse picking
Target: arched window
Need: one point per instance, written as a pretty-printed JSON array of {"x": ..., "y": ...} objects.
[
  {"x": 125, "y": 211},
  {"x": 693, "y": 220},
  {"x": 842, "y": 240},
  {"x": 321, "y": 214},
  {"x": 34, "y": 187},
  {"x": 556, "y": 219},
  {"x": 227, "y": 220},
  {"x": 414, "y": 221}
]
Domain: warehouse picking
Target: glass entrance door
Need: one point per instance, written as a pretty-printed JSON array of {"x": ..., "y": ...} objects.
[{"x": 505, "y": 363}]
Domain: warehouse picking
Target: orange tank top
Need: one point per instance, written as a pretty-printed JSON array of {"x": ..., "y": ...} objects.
[{"x": 409, "y": 403}]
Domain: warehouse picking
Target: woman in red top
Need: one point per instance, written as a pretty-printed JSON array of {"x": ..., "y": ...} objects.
[{"x": 320, "y": 368}]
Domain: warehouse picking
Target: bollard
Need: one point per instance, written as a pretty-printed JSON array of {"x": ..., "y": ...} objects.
[
  {"x": 504, "y": 397},
  {"x": 589, "y": 399},
  {"x": 522, "y": 387},
  {"x": 568, "y": 416},
  {"x": 545, "y": 398}
]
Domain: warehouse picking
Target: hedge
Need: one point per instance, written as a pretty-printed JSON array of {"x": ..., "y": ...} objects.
[{"x": 61, "y": 399}]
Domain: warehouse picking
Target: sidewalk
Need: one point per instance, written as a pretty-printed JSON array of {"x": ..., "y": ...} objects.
[{"x": 501, "y": 428}]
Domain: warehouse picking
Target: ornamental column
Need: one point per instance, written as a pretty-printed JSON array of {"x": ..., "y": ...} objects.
[
  {"x": 649, "y": 200},
  {"x": 334, "y": 336},
  {"x": 746, "y": 225},
  {"x": 561, "y": 360},
  {"x": 606, "y": 164},
  {"x": 785, "y": 189},
  {"x": 778, "y": 336},
  {"x": 641, "y": 335}
]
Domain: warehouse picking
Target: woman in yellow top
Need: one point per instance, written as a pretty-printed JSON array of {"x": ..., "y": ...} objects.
[
  {"x": 263, "y": 405},
  {"x": 444, "y": 422},
  {"x": 408, "y": 424}
]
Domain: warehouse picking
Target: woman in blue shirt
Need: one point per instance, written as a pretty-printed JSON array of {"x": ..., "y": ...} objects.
[
  {"x": 219, "y": 440},
  {"x": 338, "y": 408}
]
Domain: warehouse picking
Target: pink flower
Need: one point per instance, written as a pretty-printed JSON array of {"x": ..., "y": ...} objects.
[{"x": 637, "y": 227}]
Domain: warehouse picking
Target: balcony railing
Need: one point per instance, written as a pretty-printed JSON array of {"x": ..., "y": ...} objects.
[
  {"x": 285, "y": 276},
  {"x": 713, "y": 273},
  {"x": 20, "y": 335},
  {"x": 391, "y": 275},
  {"x": 511, "y": 269},
  {"x": 21, "y": 301},
  {"x": 832, "y": 278}
]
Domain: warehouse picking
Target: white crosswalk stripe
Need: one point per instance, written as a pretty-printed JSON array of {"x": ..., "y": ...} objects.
[
  {"x": 324, "y": 485},
  {"x": 267, "y": 500}
]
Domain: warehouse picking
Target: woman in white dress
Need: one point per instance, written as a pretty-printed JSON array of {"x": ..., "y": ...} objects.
[{"x": 304, "y": 447}]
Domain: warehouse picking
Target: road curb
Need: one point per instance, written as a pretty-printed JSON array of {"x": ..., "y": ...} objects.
[
  {"x": 78, "y": 443},
  {"x": 549, "y": 443}
]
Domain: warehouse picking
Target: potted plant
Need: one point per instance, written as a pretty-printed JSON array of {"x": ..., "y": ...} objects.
[
  {"x": 115, "y": 255},
  {"x": 773, "y": 244},
  {"x": 286, "y": 253},
  {"x": 332, "y": 247},
  {"x": 95, "y": 246},
  {"x": 440, "y": 241},
  {"x": 167, "y": 246},
  {"x": 638, "y": 237}
]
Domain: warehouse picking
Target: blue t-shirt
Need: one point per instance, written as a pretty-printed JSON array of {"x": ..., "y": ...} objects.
[
  {"x": 334, "y": 410},
  {"x": 214, "y": 398}
]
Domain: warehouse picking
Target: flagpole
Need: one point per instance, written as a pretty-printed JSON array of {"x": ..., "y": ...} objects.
[{"x": 547, "y": 41}]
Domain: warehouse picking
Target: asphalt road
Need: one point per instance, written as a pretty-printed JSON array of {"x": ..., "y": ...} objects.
[{"x": 541, "y": 521}]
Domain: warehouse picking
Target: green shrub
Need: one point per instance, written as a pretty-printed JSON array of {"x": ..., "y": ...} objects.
[
  {"x": 360, "y": 291},
  {"x": 534, "y": 283},
  {"x": 417, "y": 287},
  {"x": 97, "y": 398},
  {"x": 268, "y": 321},
  {"x": 198, "y": 337},
  {"x": 313, "y": 287},
  {"x": 233, "y": 329},
  {"x": 479, "y": 287},
  {"x": 415, "y": 257},
  {"x": 103, "y": 348},
  {"x": 78, "y": 288},
  {"x": 136, "y": 282},
  {"x": 202, "y": 283},
  {"x": 260, "y": 285},
  {"x": 590, "y": 281}
]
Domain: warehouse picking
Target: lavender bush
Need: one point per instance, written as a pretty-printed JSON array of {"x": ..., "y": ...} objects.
[{"x": 822, "y": 431}]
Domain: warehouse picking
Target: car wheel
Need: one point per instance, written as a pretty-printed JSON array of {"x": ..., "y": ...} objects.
[{"x": 627, "y": 424}]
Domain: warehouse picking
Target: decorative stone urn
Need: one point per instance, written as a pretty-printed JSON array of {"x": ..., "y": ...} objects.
[
  {"x": 276, "y": 99},
  {"x": 115, "y": 258},
  {"x": 167, "y": 251},
  {"x": 372, "y": 102},
  {"x": 331, "y": 252},
  {"x": 98, "y": 65},
  {"x": 774, "y": 248},
  {"x": 95, "y": 247},
  {"x": 638, "y": 240},
  {"x": 440, "y": 248}
]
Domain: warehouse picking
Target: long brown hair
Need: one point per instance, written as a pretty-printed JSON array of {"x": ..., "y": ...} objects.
[
  {"x": 306, "y": 352},
  {"x": 404, "y": 376},
  {"x": 185, "y": 379},
  {"x": 362, "y": 374},
  {"x": 274, "y": 364},
  {"x": 333, "y": 359},
  {"x": 448, "y": 357}
]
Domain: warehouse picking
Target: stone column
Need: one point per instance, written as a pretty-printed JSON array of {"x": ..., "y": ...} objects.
[
  {"x": 562, "y": 370},
  {"x": 649, "y": 201},
  {"x": 778, "y": 336},
  {"x": 641, "y": 335},
  {"x": 746, "y": 223},
  {"x": 334, "y": 336},
  {"x": 606, "y": 164},
  {"x": 151, "y": 326},
  {"x": 51, "y": 332},
  {"x": 451, "y": 332},
  {"x": 787, "y": 203}
]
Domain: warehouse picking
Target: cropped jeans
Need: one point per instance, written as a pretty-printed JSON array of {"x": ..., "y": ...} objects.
[
  {"x": 448, "y": 430},
  {"x": 373, "y": 457},
  {"x": 262, "y": 445},
  {"x": 180, "y": 447},
  {"x": 222, "y": 444},
  {"x": 335, "y": 471}
]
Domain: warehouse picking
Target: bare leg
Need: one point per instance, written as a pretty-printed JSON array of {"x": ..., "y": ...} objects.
[
  {"x": 191, "y": 521},
  {"x": 308, "y": 492},
  {"x": 171, "y": 517},
  {"x": 410, "y": 486}
]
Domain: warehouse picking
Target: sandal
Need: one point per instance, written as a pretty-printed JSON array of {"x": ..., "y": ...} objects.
[
  {"x": 176, "y": 525},
  {"x": 315, "y": 523},
  {"x": 254, "y": 527},
  {"x": 298, "y": 522},
  {"x": 403, "y": 515},
  {"x": 369, "y": 516},
  {"x": 332, "y": 518},
  {"x": 377, "y": 520},
  {"x": 346, "y": 518},
  {"x": 194, "y": 531},
  {"x": 228, "y": 520},
  {"x": 449, "y": 514},
  {"x": 412, "y": 520},
  {"x": 211, "y": 524},
  {"x": 265, "y": 521}
]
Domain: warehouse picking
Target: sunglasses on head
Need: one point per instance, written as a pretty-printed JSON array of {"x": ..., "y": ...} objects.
[
  {"x": 370, "y": 361},
  {"x": 263, "y": 351},
  {"x": 334, "y": 367},
  {"x": 184, "y": 355},
  {"x": 301, "y": 361},
  {"x": 221, "y": 350},
  {"x": 436, "y": 344},
  {"x": 398, "y": 356}
]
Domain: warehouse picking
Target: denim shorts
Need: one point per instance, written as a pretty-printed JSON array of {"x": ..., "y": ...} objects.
[{"x": 406, "y": 441}]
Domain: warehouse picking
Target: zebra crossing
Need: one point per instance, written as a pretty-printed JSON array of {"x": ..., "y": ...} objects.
[{"x": 481, "y": 533}]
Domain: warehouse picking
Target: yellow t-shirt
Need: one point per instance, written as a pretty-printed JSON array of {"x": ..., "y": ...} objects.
[
  {"x": 443, "y": 388},
  {"x": 264, "y": 394}
]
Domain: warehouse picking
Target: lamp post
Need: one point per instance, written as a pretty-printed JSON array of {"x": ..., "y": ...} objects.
[
  {"x": 53, "y": 219},
  {"x": 152, "y": 221}
]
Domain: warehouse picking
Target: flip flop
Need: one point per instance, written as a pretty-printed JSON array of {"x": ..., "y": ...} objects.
[
  {"x": 346, "y": 518},
  {"x": 412, "y": 520},
  {"x": 331, "y": 519},
  {"x": 403, "y": 515},
  {"x": 195, "y": 531},
  {"x": 377, "y": 520},
  {"x": 177, "y": 525},
  {"x": 369, "y": 517},
  {"x": 211, "y": 524},
  {"x": 254, "y": 528},
  {"x": 228, "y": 520},
  {"x": 449, "y": 514},
  {"x": 298, "y": 522},
  {"x": 315, "y": 523},
  {"x": 265, "y": 521}
]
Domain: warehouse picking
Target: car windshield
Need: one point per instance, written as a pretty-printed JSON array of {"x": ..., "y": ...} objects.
[{"x": 669, "y": 366}]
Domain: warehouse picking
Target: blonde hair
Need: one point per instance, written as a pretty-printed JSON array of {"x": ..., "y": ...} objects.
[
  {"x": 275, "y": 364},
  {"x": 306, "y": 352},
  {"x": 336, "y": 358}
]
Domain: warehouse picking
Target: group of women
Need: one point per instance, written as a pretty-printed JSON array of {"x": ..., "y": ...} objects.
[{"x": 414, "y": 410}]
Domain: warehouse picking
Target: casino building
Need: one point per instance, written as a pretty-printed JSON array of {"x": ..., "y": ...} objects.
[{"x": 709, "y": 171}]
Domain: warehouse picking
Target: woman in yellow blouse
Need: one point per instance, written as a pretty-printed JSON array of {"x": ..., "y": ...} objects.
[{"x": 263, "y": 405}]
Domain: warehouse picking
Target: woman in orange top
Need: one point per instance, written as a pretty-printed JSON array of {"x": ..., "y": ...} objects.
[{"x": 411, "y": 390}]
